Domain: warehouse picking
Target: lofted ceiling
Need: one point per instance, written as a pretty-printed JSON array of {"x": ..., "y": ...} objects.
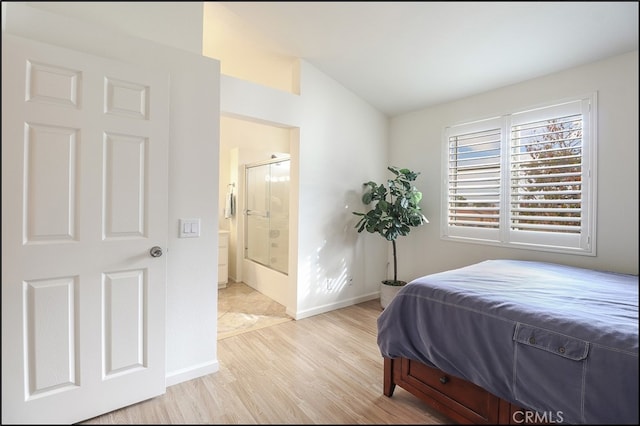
[{"x": 403, "y": 56}]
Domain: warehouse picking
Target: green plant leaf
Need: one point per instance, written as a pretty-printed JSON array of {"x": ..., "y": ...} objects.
[
  {"x": 394, "y": 208},
  {"x": 367, "y": 197}
]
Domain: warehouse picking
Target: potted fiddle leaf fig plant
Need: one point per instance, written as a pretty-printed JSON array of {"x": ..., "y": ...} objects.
[{"x": 395, "y": 209}]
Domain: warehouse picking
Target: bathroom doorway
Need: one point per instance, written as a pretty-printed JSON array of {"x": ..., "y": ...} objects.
[{"x": 246, "y": 143}]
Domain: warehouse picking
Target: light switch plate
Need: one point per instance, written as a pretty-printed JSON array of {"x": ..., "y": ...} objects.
[{"x": 189, "y": 228}]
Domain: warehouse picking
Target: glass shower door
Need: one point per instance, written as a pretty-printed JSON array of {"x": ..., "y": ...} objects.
[
  {"x": 279, "y": 216},
  {"x": 267, "y": 214},
  {"x": 257, "y": 247}
]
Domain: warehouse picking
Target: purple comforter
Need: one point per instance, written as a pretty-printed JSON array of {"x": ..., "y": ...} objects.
[{"x": 552, "y": 338}]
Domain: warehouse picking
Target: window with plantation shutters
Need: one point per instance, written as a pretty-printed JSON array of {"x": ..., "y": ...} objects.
[{"x": 524, "y": 179}]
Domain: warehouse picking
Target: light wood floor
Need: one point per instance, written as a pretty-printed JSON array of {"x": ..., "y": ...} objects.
[{"x": 323, "y": 369}]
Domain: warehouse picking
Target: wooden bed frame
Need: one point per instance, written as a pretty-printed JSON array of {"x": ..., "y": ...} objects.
[{"x": 458, "y": 399}]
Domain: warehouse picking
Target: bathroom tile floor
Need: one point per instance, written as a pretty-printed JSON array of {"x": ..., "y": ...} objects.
[{"x": 242, "y": 309}]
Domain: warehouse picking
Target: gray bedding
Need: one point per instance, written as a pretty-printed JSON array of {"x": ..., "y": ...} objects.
[{"x": 552, "y": 338}]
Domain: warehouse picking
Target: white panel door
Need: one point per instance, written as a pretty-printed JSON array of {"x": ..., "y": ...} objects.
[{"x": 84, "y": 200}]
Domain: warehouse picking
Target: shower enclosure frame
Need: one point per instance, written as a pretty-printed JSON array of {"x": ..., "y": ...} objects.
[{"x": 266, "y": 214}]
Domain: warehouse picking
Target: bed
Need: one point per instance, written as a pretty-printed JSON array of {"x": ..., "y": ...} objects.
[{"x": 510, "y": 341}]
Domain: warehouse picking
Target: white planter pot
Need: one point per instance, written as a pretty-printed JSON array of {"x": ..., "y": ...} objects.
[{"x": 387, "y": 293}]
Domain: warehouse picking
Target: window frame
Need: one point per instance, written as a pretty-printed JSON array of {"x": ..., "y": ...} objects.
[{"x": 582, "y": 243}]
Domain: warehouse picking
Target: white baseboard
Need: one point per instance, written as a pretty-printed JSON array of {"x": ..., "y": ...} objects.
[
  {"x": 333, "y": 306},
  {"x": 191, "y": 373}
]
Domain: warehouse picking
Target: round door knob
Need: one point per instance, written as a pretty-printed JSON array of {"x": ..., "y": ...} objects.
[{"x": 155, "y": 251}]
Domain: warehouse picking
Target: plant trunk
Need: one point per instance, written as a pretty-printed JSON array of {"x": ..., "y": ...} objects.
[{"x": 395, "y": 261}]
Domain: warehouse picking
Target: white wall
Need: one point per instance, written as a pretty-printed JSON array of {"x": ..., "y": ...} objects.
[
  {"x": 243, "y": 50},
  {"x": 417, "y": 143},
  {"x": 343, "y": 143},
  {"x": 248, "y": 100},
  {"x": 193, "y": 170}
]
